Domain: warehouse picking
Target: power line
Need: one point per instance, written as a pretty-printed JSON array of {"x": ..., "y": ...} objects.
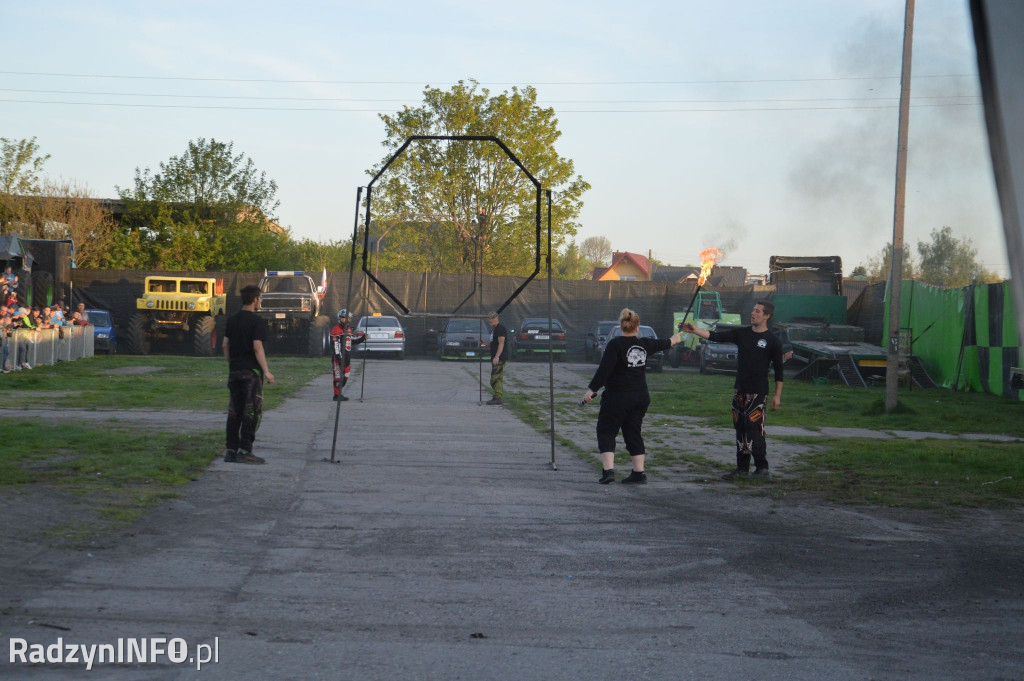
[
  {"x": 417, "y": 82},
  {"x": 562, "y": 111},
  {"x": 546, "y": 101}
]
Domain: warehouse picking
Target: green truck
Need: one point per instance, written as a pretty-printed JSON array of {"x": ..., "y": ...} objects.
[{"x": 707, "y": 310}]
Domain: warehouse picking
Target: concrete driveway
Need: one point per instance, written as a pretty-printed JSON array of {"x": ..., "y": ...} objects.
[{"x": 444, "y": 547}]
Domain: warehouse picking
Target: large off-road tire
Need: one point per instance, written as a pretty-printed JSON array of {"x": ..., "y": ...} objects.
[
  {"x": 204, "y": 337},
  {"x": 42, "y": 289},
  {"x": 136, "y": 338},
  {"x": 24, "y": 288},
  {"x": 675, "y": 356},
  {"x": 318, "y": 338}
]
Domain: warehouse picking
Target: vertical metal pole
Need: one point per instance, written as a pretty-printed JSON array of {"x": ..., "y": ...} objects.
[
  {"x": 366, "y": 331},
  {"x": 348, "y": 303},
  {"x": 551, "y": 354},
  {"x": 896, "y": 273},
  {"x": 480, "y": 310}
]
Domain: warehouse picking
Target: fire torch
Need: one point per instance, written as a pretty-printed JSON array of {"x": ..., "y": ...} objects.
[{"x": 708, "y": 258}]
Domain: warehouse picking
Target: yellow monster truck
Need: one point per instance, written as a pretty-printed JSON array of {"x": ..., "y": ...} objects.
[{"x": 181, "y": 310}]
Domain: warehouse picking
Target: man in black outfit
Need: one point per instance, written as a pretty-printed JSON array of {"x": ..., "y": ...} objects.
[
  {"x": 625, "y": 399},
  {"x": 247, "y": 367},
  {"x": 499, "y": 355},
  {"x": 757, "y": 348}
]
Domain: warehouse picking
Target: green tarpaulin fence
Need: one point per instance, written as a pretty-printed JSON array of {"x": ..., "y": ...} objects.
[{"x": 966, "y": 338}]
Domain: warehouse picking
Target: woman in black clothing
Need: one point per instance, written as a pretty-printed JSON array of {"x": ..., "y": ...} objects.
[{"x": 625, "y": 399}]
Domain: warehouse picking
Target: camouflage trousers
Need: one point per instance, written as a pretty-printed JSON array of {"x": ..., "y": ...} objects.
[
  {"x": 497, "y": 376},
  {"x": 245, "y": 408}
]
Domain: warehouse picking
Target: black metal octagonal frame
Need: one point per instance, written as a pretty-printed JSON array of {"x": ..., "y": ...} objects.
[{"x": 369, "y": 209}]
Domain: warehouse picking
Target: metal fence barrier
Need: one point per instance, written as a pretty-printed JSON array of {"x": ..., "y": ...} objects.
[{"x": 29, "y": 348}]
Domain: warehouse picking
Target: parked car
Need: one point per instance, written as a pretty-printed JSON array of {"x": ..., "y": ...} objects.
[
  {"x": 717, "y": 357},
  {"x": 465, "y": 339},
  {"x": 655, "y": 362},
  {"x": 534, "y": 334},
  {"x": 384, "y": 335},
  {"x": 105, "y": 338},
  {"x": 593, "y": 344}
]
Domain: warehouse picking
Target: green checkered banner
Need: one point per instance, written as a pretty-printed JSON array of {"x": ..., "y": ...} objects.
[{"x": 966, "y": 338}]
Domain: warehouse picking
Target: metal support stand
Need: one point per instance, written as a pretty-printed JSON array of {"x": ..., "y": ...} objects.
[
  {"x": 551, "y": 353},
  {"x": 366, "y": 311},
  {"x": 348, "y": 304}
]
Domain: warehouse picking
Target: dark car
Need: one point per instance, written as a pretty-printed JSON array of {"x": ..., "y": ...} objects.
[
  {"x": 593, "y": 344},
  {"x": 105, "y": 334},
  {"x": 535, "y": 334},
  {"x": 721, "y": 357},
  {"x": 718, "y": 357},
  {"x": 655, "y": 362},
  {"x": 464, "y": 339}
]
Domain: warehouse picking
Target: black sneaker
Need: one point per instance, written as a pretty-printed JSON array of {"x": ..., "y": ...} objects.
[
  {"x": 342, "y": 398},
  {"x": 494, "y": 400},
  {"x": 229, "y": 456},
  {"x": 762, "y": 473},
  {"x": 245, "y": 456},
  {"x": 607, "y": 476},
  {"x": 635, "y": 478},
  {"x": 732, "y": 475}
]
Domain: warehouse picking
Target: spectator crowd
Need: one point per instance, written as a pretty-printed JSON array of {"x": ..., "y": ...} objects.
[{"x": 14, "y": 316}]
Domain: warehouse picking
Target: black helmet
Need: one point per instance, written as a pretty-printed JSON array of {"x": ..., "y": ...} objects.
[{"x": 343, "y": 314}]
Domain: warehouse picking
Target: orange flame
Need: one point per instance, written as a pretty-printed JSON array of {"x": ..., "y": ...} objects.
[{"x": 708, "y": 259}]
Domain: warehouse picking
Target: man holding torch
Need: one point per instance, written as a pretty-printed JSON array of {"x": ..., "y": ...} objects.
[{"x": 757, "y": 348}]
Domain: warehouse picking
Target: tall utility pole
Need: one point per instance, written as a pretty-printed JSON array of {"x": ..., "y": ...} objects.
[{"x": 896, "y": 273}]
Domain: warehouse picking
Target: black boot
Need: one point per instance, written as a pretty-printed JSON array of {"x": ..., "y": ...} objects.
[
  {"x": 635, "y": 478},
  {"x": 607, "y": 475}
]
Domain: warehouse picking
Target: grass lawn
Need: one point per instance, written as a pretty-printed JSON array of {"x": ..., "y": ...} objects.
[
  {"x": 116, "y": 473},
  {"x": 930, "y": 473},
  {"x": 196, "y": 383},
  {"x": 917, "y": 474},
  {"x": 813, "y": 406}
]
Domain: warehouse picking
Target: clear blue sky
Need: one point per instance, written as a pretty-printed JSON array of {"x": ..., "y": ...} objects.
[{"x": 797, "y": 159}]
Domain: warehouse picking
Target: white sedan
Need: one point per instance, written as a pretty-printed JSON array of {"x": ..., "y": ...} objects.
[{"x": 384, "y": 335}]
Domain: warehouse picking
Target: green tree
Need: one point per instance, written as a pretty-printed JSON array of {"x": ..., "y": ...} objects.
[
  {"x": 211, "y": 177},
  {"x": 950, "y": 262},
  {"x": 569, "y": 264},
  {"x": 597, "y": 250},
  {"x": 878, "y": 267},
  {"x": 209, "y": 208},
  {"x": 20, "y": 168},
  {"x": 474, "y": 194}
]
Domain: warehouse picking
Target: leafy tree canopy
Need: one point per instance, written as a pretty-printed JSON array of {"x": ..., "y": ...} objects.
[
  {"x": 597, "y": 250},
  {"x": 951, "y": 262},
  {"x": 942, "y": 261},
  {"x": 213, "y": 181},
  {"x": 20, "y": 166},
  {"x": 878, "y": 267},
  {"x": 441, "y": 200}
]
